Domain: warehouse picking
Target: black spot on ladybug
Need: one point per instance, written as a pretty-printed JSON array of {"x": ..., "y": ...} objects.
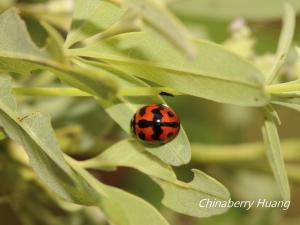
[
  {"x": 142, "y": 135},
  {"x": 171, "y": 114},
  {"x": 142, "y": 111},
  {"x": 166, "y": 94},
  {"x": 145, "y": 123},
  {"x": 171, "y": 124},
  {"x": 170, "y": 134},
  {"x": 157, "y": 114},
  {"x": 157, "y": 131}
]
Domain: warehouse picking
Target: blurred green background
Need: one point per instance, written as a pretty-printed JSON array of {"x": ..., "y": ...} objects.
[{"x": 250, "y": 28}]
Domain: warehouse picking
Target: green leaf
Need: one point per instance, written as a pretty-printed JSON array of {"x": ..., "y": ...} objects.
[
  {"x": 291, "y": 87},
  {"x": 213, "y": 70},
  {"x": 133, "y": 154},
  {"x": 274, "y": 153},
  {"x": 11, "y": 27},
  {"x": 175, "y": 153},
  {"x": 285, "y": 40},
  {"x": 19, "y": 54},
  {"x": 185, "y": 197},
  {"x": 158, "y": 17},
  {"x": 254, "y": 10},
  {"x": 97, "y": 81},
  {"x": 136, "y": 210},
  {"x": 54, "y": 43},
  {"x": 179, "y": 196},
  {"x": 91, "y": 17},
  {"x": 120, "y": 207},
  {"x": 34, "y": 132},
  {"x": 102, "y": 18},
  {"x": 291, "y": 105}
]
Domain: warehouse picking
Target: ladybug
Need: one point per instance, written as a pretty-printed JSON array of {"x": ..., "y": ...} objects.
[{"x": 155, "y": 124}]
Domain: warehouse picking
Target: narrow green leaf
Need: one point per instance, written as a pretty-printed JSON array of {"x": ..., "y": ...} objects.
[
  {"x": 120, "y": 207},
  {"x": 213, "y": 70},
  {"x": 185, "y": 197},
  {"x": 54, "y": 43},
  {"x": 34, "y": 132},
  {"x": 285, "y": 41},
  {"x": 130, "y": 153},
  {"x": 11, "y": 26},
  {"x": 284, "y": 88},
  {"x": 91, "y": 17},
  {"x": 157, "y": 16},
  {"x": 274, "y": 153},
  {"x": 101, "y": 17},
  {"x": 241, "y": 153},
  {"x": 175, "y": 153},
  {"x": 97, "y": 82},
  {"x": 179, "y": 196},
  {"x": 291, "y": 105},
  {"x": 136, "y": 210},
  {"x": 19, "y": 54}
]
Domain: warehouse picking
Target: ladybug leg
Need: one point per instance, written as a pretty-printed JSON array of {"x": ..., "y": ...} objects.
[{"x": 166, "y": 94}]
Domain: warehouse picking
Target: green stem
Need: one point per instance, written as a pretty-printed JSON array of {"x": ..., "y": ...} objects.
[
  {"x": 226, "y": 153},
  {"x": 284, "y": 87},
  {"x": 49, "y": 92},
  {"x": 132, "y": 91},
  {"x": 287, "y": 95},
  {"x": 248, "y": 152},
  {"x": 146, "y": 91}
]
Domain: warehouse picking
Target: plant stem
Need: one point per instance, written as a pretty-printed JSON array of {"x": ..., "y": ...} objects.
[
  {"x": 284, "y": 87},
  {"x": 241, "y": 152},
  {"x": 49, "y": 92},
  {"x": 287, "y": 94},
  {"x": 146, "y": 91},
  {"x": 132, "y": 91}
]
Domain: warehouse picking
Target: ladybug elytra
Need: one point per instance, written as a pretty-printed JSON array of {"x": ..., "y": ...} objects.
[{"x": 155, "y": 124}]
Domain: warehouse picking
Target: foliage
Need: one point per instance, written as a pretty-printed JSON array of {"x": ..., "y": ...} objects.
[{"x": 121, "y": 54}]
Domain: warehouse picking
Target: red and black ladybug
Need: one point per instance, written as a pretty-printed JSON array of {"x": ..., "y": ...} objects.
[{"x": 155, "y": 124}]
